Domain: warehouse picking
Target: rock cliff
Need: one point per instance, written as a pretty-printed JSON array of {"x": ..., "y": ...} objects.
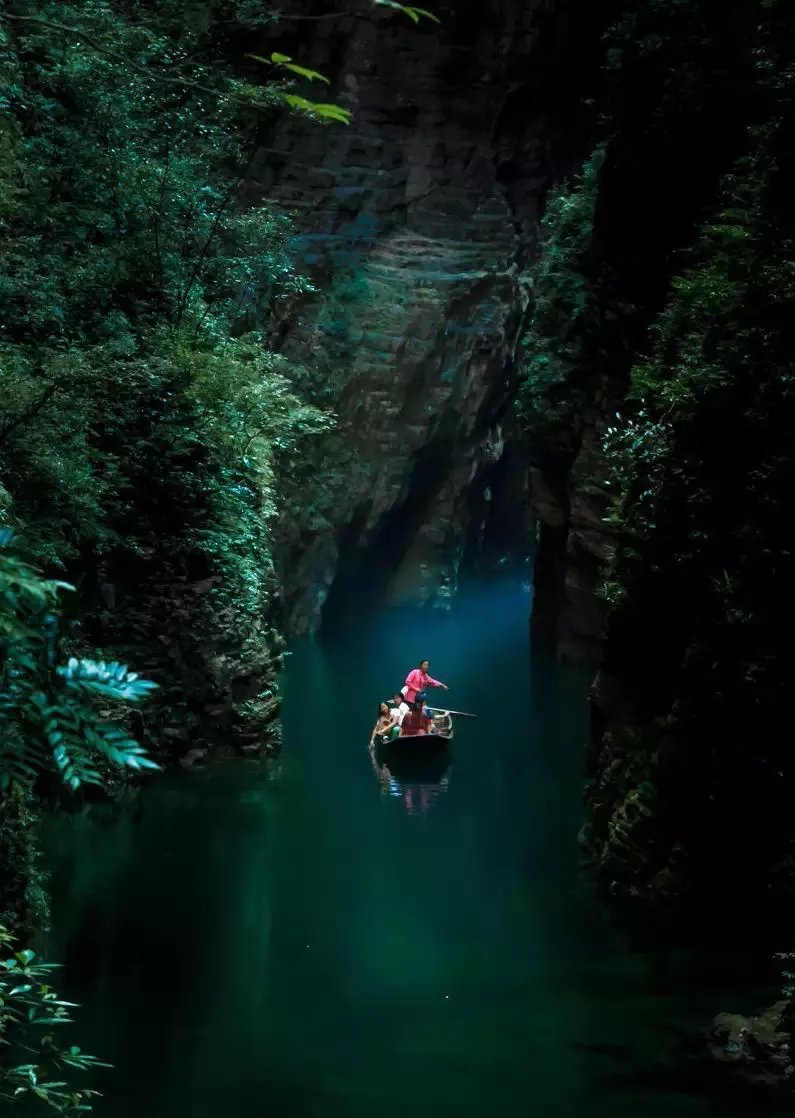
[
  {"x": 218, "y": 691},
  {"x": 570, "y": 500},
  {"x": 415, "y": 223}
]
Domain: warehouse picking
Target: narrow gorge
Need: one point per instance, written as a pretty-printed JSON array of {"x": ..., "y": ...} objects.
[{"x": 333, "y": 316}]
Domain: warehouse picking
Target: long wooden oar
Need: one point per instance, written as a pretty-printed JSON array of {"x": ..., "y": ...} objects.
[{"x": 460, "y": 713}]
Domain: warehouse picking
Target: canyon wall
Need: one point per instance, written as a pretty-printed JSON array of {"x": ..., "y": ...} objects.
[
  {"x": 416, "y": 223},
  {"x": 571, "y": 501},
  {"x": 671, "y": 292}
]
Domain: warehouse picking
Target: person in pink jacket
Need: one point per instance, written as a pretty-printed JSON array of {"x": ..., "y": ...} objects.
[{"x": 418, "y": 681}]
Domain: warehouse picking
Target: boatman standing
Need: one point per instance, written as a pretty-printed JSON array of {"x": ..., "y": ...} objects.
[{"x": 418, "y": 681}]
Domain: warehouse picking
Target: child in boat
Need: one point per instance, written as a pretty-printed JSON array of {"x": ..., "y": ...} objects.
[
  {"x": 416, "y": 721},
  {"x": 418, "y": 681},
  {"x": 386, "y": 727},
  {"x": 398, "y": 706}
]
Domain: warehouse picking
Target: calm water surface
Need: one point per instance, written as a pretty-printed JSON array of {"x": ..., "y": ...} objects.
[{"x": 319, "y": 938}]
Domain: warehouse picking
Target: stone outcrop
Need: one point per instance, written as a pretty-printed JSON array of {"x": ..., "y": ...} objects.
[
  {"x": 757, "y": 1048},
  {"x": 418, "y": 248},
  {"x": 206, "y": 634}
]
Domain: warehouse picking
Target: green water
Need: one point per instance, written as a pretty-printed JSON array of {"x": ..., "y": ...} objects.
[{"x": 314, "y": 938}]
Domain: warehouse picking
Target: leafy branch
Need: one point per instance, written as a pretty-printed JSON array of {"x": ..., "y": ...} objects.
[
  {"x": 28, "y": 1005},
  {"x": 50, "y": 721},
  {"x": 323, "y": 109}
]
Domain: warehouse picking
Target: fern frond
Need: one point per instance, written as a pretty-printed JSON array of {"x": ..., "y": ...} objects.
[
  {"x": 108, "y": 681},
  {"x": 46, "y": 724},
  {"x": 117, "y": 746}
]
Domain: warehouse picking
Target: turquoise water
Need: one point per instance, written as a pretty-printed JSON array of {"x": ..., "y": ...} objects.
[{"x": 318, "y": 938}]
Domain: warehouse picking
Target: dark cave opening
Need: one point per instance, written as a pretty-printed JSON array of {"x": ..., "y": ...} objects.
[
  {"x": 366, "y": 567},
  {"x": 497, "y": 529}
]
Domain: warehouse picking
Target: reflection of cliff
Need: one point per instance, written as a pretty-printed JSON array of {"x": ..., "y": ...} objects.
[{"x": 417, "y": 248}]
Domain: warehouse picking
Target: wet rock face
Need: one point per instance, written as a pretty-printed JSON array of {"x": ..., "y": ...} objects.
[
  {"x": 570, "y": 500},
  {"x": 417, "y": 237},
  {"x": 207, "y": 638}
]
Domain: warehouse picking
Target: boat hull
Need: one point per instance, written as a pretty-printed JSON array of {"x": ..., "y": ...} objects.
[{"x": 416, "y": 758}]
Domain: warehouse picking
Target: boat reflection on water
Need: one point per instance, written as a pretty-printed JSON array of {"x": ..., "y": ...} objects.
[{"x": 415, "y": 773}]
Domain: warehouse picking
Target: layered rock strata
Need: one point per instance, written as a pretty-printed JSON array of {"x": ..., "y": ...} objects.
[{"x": 418, "y": 249}]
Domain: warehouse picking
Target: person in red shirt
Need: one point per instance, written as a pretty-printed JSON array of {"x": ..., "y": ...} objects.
[{"x": 416, "y": 721}]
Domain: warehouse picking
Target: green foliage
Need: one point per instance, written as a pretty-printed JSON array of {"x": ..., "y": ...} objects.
[
  {"x": 53, "y": 716},
  {"x": 130, "y": 271},
  {"x": 321, "y": 110},
  {"x": 146, "y": 425},
  {"x": 563, "y": 303},
  {"x": 54, "y": 727},
  {"x": 662, "y": 317},
  {"x": 573, "y": 338},
  {"x": 30, "y": 1013},
  {"x": 139, "y": 287},
  {"x": 716, "y": 392},
  {"x": 24, "y": 904},
  {"x": 703, "y": 470},
  {"x": 286, "y": 61}
]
